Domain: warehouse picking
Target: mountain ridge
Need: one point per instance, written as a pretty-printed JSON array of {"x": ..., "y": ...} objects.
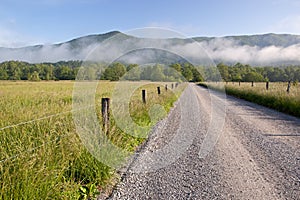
[
  {"x": 106, "y": 35},
  {"x": 251, "y": 49}
]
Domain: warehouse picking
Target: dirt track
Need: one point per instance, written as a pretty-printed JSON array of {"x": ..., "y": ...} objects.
[{"x": 256, "y": 156}]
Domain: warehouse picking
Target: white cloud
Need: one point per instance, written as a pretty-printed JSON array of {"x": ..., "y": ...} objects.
[{"x": 228, "y": 50}]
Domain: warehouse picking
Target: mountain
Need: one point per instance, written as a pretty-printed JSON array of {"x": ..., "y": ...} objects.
[
  {"x": 265, "y": 40},
  {"x": 266, "y": 49}
]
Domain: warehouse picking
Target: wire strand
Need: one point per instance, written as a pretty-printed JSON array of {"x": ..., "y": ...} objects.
[
  {"x": 42, "y": 118},
  {"x": 17, "y": 155},
  {"x": 27, "y": 122}
]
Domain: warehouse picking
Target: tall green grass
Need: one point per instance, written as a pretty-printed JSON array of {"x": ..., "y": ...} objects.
[
  {"x": 276, "y": 97},
  {"x": 41, "y": 155}
]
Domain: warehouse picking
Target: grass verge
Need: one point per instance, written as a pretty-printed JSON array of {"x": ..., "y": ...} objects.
[
  {"x": 41, "y": 155},
  {"x": 276, "y": 97}
]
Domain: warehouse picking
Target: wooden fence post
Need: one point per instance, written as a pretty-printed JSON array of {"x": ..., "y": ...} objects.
[
  {"x": 172, "y": 85},
  {"x": 166, "y": 87},
  {"x": 158, "y": 90},
  {"x": 105, "y": 114},
  {"x": 239, "y": 83},
  {"x": 252, "y": 83},
  {"x": 144, "y": 96},
  {"x": 267, "y": 85},
  {"x": 288, "y": 87}
]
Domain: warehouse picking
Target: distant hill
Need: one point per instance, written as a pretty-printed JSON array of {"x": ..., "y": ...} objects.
[
  {"x": 266, "y": 49},
  {"x": 265, "y": 40}
]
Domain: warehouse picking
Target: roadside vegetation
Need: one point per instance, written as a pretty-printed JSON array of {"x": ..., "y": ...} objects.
[
  {"x": 276, "y": 97},
  {"x": 41, "y": 155}
]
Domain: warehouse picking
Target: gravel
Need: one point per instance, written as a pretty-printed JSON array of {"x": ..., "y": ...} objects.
[{"x": 255, "y": 154}]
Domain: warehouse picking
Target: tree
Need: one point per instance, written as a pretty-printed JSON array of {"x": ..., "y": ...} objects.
[
  {"x": 133, "y": 73},
  {"x": 253, "y": 76},
  {"x": 290, "y": 73},
  {"x": 176, "y": 66},
  {"x": 157, "y": 73},
  {"x": 212, "y": 74},
  {"x": 187, "y": 72},
  {"x": 197, "y": 77},
  {"x": 146, "y": 73},
  {"x": 114, "y": 72},
  {"x": 13, "y": 71},
  {"x": 3, "y": 74},
  {"x": 131, "y": 66},
  {"x": 223, "y": 69},
  {"x": 67, "y": 70},
  {"x": 35, "y": 76},
  {"x": 171, "y": 74},
  {"x": 297, "y": 75}
]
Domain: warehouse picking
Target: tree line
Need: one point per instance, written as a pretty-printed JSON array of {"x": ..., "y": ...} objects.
[
  {"x": 17, "y": 70},
  {"x": 68, "y": 70},
  {"x": 247, "y": 73}
]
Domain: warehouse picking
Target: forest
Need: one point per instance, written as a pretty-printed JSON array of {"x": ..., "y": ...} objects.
[{"x": 68, "y": 70}]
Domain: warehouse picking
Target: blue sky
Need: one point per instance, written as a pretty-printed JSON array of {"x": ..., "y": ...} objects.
[{"x": 28, "y": 22}]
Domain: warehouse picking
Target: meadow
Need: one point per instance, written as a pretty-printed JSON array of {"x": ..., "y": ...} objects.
[
  {"x": 42, "y": 156},
  {"x": 276, "y": 97}
]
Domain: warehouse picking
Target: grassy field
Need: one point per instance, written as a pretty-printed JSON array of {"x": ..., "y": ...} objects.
[
  {"x": 41, "y": 155},
  {"x": 275, "y": 97}
]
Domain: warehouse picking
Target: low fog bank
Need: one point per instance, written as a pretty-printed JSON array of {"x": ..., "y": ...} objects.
[{"x": 218, "y": 49}]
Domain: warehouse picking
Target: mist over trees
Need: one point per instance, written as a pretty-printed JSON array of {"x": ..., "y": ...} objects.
[{"x": 68, "y": 70}]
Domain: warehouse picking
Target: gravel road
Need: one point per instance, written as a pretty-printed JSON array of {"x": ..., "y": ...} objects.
[{"x": 256, "y": 156}]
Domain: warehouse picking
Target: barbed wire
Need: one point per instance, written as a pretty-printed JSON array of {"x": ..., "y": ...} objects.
[
  {"x": 42, "y": 118},
  {"x": 39, "y": 119},
  {"x": 32, "y": 149}
]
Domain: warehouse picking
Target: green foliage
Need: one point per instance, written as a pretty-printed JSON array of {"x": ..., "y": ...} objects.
[
  {"x": 114, "y": 72},
  {"x": 154, "y": 72},
  {"x": 15, "y": 70},
  {"x": 275, "y": 98},
  {"x": 187, "y": 72},
  {"x": 253, "y": 76},
  {"x": 34, "y": 76},
  {"x": 246, "y": 73},
  {"x": 133, "y": 72},
  {"x": 157, "y": 73},
  {"x": 176, "y": 66},
  {"x": 131, "y": 66},
  {"x": 3, "y": 74},
  {"x": 89, "y": 191},
  {"x": 223, "y": 69},
  {"x": 44, "y": 158}
]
